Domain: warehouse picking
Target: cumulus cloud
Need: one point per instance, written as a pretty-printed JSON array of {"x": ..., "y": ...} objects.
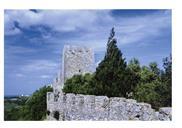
[
  {"x": 93, "y": 24},
  {"x": 64, "y": 20}
]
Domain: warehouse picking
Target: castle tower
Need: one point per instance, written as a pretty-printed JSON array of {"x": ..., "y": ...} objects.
[{"x": 76, "y": 60}]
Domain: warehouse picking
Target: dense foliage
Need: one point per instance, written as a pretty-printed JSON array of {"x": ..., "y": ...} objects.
[
  {"x": 114, "y": 77},
  {"x": 12, "y": 108},
  {"x": 155, "y": 85},
  {"x": 79, "y": 84},
  {"x": 29, "y": 108}
]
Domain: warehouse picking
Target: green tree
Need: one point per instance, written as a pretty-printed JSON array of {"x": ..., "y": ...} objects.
[
  {"x": 166, "y": 92},
  {"x": 155, "y": 85},
  {"x": 154, "y": 68},
  {"x": 134, "y": 77},
  {"x": 35, "y": 107},
  {"x": 146, "y": 92},
  {"x": 134, "y": 65},
  {"x": 112, "y": 77},
  {"x": 147, "y": 75}
]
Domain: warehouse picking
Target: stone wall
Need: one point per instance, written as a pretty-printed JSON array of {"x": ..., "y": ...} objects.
[{"x": 90, "y": 107}]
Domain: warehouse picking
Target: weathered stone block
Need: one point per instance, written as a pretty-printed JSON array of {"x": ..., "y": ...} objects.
[
  {"x": 118, "y": 109},
  {"x": 165, "y": 113},
  {"x": 101, "y": 108}
]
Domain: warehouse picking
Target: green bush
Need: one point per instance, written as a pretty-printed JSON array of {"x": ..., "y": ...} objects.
[{"x": 79, "y": 84}]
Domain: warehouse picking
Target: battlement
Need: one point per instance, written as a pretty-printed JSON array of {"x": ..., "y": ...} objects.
[{"x": 90, "y": 107}]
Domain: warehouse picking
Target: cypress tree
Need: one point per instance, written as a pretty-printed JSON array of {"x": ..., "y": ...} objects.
[{"x": 112, "y": 77}]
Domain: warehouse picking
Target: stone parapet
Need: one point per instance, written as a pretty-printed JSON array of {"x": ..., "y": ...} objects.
[{"x": 90, "y": 107}]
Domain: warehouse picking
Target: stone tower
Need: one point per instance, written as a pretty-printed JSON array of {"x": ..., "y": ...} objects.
[{"x": 76, "y": 60}]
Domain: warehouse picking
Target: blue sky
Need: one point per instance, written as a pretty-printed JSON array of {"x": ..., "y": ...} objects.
[{"x": 34, "y": 40}]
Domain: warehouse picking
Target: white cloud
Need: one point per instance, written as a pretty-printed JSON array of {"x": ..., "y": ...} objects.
[
  {"x": 40, "y": 65},
  {"x": 12, "y": 31},
  {"x": 45, "y": 76},
  {"x": 128, "y": 30},
  {"x": 11, "y": 49},
  {"x": 19, "y": 75},
  {"x": 96, "y": 25},
  {"x": 64, "y": 20}
]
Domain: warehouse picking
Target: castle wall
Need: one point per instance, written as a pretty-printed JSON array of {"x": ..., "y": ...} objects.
[{"x": 90, "y": 107}]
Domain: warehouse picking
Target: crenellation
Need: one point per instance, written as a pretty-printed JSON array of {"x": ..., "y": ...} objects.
[{"x": 90, "y": 107}]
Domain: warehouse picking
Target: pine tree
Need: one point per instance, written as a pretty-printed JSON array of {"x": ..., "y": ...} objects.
[
  {"x": 167, "y": 81},
  {"x": 111, "y": 77}
]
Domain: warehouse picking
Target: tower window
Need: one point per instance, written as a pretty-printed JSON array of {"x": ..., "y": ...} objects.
[{"x": 79, "y": 70}]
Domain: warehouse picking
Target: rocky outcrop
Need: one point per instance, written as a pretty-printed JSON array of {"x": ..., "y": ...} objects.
[{"x": 90, "y": 107}]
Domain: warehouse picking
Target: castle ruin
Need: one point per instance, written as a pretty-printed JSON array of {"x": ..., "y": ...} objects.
[
  {"x": 76, "y": 60},
  {"x": 80, "y": 60}
]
